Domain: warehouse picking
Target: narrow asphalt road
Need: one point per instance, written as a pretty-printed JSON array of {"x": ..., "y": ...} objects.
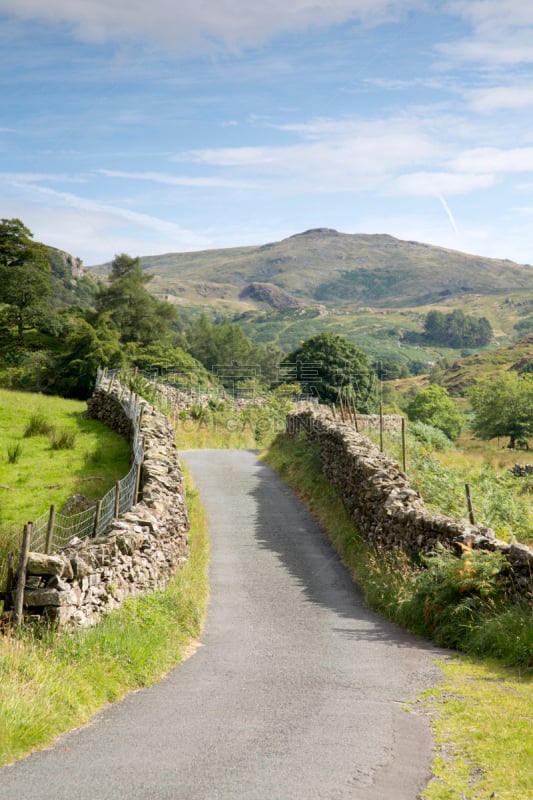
[{"x": 297, "y": 692}]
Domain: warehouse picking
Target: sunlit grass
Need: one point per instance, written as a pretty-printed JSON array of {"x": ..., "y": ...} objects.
[
  {"x": 483, "y": 727},
  {"x": 83, "y": 456},
  {"x": 53, "y": 683}
]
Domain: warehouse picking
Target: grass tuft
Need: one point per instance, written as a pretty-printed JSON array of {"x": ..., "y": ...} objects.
[
  {"x": 38, "y": 425},
  {"x": 62, "y": 439},
  {"x": 14, "y": 452}
]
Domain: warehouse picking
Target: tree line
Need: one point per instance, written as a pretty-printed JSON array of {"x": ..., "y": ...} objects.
[
  {"x": 457, "y": 329},
  {"x": 57, "y": 349}
]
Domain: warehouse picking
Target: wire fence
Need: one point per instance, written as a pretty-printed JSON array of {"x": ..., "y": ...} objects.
[{"x": 53, "y": 531}]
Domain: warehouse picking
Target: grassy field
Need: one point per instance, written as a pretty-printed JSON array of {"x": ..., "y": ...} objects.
[
  {"x": 72, "y": 455},
  {"x": 57, "y": 681}
]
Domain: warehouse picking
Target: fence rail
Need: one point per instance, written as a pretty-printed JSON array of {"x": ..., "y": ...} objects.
[{"x": 52, "y": 531}]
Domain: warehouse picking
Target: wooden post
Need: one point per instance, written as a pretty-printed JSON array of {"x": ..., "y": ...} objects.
[
  {"x": 471, "y": 514},
  {"x": 97, "y": 516},
  {"x": 334, "y": 411},
  {"x": 355, "y": 416},
  {"x": 404, "y": 446},
  {"x": 50, "y": 530},
  {"x": 137, "y": 484},
  {"x": 117, "y": 500},
  {"x": 21, "y": 573},
  {"x": 381, "y": 427}
]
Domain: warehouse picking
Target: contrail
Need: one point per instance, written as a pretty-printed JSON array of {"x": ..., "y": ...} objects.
[{"x": 448, "y": 213}]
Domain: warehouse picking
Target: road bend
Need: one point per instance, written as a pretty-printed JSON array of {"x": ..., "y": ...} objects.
[{"x": 297, "y": 692}]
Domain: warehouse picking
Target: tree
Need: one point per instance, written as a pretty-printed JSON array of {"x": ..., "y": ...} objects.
[
  {"x": 87, "y": 347},
  {"x": 25, "y": 275},
  {"x": 435, "y": 407},
  {"x": 137, "y": 315},
  {"x": 333, "y": 368},
  {"x": 503, "y": 406}
]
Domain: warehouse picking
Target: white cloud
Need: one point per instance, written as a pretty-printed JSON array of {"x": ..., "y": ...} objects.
[
  {"x": 496, "y": 98},
  {"x": 39, "y": 177},
  {"x": 426, "y": 184},
  {"x": 336, "y": 155},
  {"x": 234, "y": 22},
  {"x": 179, "y": 180},
  {"x": 502, "y": 32},
  {"x": 494, "y": 160},
  {"x": 94, "y": 230}
]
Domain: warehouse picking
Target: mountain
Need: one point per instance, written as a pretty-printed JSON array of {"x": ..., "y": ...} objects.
[{"x": 323, "y": 266}]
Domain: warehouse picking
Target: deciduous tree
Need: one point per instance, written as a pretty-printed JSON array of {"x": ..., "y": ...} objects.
[
  {"x": 503, "y": 406},
  {"x": 434, "y": 406},
  {"x": 334, "y": 368}
]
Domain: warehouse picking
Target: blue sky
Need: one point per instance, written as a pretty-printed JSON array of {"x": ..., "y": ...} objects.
[{"x": 151, "y": 127}]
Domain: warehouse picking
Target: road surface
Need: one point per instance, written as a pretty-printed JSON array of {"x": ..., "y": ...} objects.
[{"x": 297, "y": 691}]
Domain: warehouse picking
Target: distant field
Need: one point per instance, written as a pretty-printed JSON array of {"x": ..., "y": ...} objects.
[{"x": 41, "y": 475}]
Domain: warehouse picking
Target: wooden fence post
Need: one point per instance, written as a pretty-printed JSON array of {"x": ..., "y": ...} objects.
[
  {"x": 50, "y": 530},
  {"x": 97, "y": 515},
  {"x": 137, "y": 484},
  {"x": 355, "y": 416},
  {"x": 404, "y": 446},
  {"x": 471, "y": 514},
  {"x": 117, "y": 500},
  {"x": 21, "y": 573},
  {"x": 381, "y": 427}
]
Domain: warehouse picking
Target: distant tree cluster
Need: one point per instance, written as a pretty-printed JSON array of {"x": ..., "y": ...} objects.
[{"x": 457, "y": 329}]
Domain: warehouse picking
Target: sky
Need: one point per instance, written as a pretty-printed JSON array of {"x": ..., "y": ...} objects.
[{"x": 141, "y": 127}]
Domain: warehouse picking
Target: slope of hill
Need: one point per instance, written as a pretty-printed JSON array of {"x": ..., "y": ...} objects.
[
  {"x": 463, "y": 373},
  {"x": 328, "y": 267}
]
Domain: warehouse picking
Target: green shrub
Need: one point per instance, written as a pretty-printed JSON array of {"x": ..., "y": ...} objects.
[{"x": 429, "y": 435}]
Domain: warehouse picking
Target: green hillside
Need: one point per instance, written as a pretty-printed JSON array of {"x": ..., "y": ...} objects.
[
  {"x": 374, "y": 289},
  {"x": 323, "y": 266}
]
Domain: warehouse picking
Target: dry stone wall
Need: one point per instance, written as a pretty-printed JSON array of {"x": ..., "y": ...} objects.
[
  {"x": 386, "y": 510},
  {"x": 142, "y": 549}
]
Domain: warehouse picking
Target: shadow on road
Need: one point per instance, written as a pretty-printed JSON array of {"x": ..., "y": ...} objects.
[{"x": 305, "y": 552}]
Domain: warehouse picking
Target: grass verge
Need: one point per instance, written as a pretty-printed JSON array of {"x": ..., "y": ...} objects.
[
  {"x": 56, "y": 682},
  {"x": 478, "y": 698},
  {"x": 482, "y": 723}
]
